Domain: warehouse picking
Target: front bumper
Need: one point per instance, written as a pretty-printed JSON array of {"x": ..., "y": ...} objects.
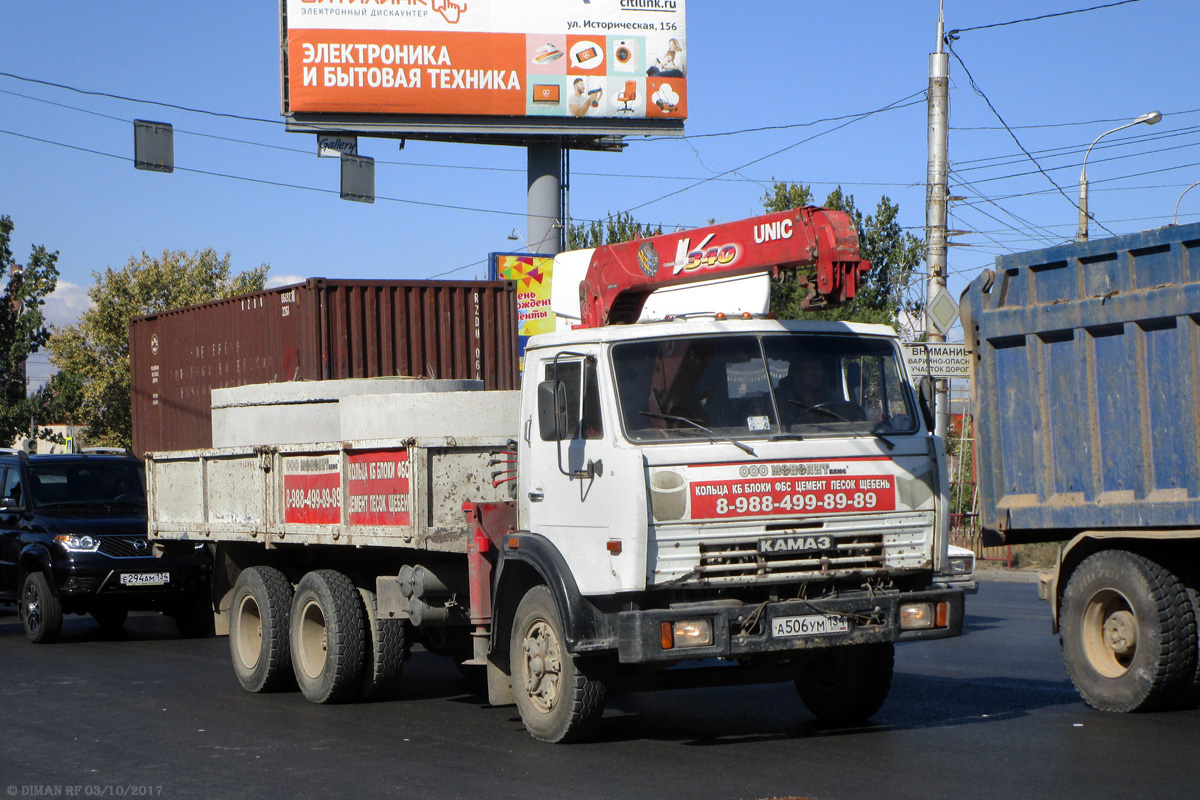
[
  {"x": 745, "y": 630},
  {"x": 92, "y": 580}
]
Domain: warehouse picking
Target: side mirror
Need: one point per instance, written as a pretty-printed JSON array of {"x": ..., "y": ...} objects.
[
  {"x": 10, "y": 504},
  {"x": 927, "y": 402},
  {"x": 552, "y": 410}
]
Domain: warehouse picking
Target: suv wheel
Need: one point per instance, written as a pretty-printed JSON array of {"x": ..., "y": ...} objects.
[{"x": 40, "y": 611}]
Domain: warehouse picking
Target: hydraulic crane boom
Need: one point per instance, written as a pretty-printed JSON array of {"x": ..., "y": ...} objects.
[{"x": 621, "y": 276}]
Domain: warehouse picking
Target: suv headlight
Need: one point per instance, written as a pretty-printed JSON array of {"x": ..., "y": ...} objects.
[{"x": 78, "y": 544}]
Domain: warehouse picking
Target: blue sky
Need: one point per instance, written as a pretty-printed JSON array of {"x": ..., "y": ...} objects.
[{"x": 67, "y": 180}]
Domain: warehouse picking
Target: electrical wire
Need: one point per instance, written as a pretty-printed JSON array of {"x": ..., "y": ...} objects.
[
  {"x": 957, "y": 31},
  {"x": 471, "y": 168},
  {"x": 893, "y": 106},
  {"x": 981, "y": 93},
  {"x": 1062, "y": 124}
]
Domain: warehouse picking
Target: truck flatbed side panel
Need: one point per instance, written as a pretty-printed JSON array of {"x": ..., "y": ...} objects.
[
  {"x": 369, "y": 493},
  {"x": 1086, "y": 386}
]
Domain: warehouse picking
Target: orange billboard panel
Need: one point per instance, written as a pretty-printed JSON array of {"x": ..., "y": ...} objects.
[{"x": 486, "y": 58}]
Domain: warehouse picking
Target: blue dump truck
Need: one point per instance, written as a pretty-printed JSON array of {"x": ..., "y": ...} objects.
[{"x": 1086, "y": 383}]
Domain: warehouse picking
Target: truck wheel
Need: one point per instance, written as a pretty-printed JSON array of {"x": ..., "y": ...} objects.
[
  {"x": 1191, "y": 692},
  {"x": 389, "y": 649},
  {"x": 1125, "y": 623},
  {"x": 194, "y": 619},
  {"x": 847, "y": 684},
  {"x": 258, "y": 630},
  {"x": 559, "y": 695},
  {"x": 40, "y": 611},
  {"x": 328, "y": 646},
  {"x": 110, "y": 619}
]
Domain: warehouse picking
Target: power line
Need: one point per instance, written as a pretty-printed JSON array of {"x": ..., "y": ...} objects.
[
  {"x": 471, "y": 168},
  {"x": 1064, "y": 124},
  {"x": 898, "y": 104},
  {"x": 980, "y": 92},
  {"x": 159, "y": 103},
  {"x": 1059, "y": 152},
  {"x": 957, "y": 31}
]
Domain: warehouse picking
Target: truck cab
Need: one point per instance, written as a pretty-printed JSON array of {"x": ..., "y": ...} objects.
[{"x": 750, "y": 490}]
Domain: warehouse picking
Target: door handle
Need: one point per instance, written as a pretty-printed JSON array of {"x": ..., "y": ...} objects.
[{"x": 536, "y": 496}]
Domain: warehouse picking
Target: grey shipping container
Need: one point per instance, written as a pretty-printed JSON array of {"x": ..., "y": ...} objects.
[
  {"x": 317, "y": 330},
  {"x": 1086, "y": 387}
]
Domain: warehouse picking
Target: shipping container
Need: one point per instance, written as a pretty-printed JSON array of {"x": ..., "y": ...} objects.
[
  {"x": 317, "y": 330},
  {"x": 1085, "y": 386}
]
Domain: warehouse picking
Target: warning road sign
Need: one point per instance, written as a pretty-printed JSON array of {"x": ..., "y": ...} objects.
[{"x": 938, "y": 360}]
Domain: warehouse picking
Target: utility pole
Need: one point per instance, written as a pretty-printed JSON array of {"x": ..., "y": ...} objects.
[{"x": 936, "y": 194}]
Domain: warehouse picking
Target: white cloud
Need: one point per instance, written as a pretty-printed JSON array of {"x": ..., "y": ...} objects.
[
  {"x": 66, "y": 304},
  {"x": 284, "y": 280}
]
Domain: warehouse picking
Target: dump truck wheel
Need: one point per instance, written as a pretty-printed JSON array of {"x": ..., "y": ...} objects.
[
  {"x": 1128, "y": 633},
  {"x": 328, "y": 645},
  {"x": 847, "y": 684},
  {"x": 259, "y": 640},
  {"x": 389, "y": 649},
  {"x": 559, "y": 695},
  {"x": 40, "y": 611}
]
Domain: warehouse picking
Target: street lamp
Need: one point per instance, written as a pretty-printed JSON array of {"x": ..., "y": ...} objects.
[{"x": 1150, "y": 119}]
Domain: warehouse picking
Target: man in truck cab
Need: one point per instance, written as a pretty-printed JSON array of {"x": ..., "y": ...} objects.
[{"x": 802, "y": 393}]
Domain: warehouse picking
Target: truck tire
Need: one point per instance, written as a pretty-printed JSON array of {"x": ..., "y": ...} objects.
[
  {"x": 389, "y": 649},
  {"x": 194, "y": 619},
  {"x": 110, "y": 619},
  {"x": 40, "y": 611},
  {"x": 1190, "y": 696},
  {"x": 328, "y": 642},
  {"x": 259, "y": 638},
  {"x": 847, "y": 684},
  {"x": 560, "y": 696},
  {"x": 1125, "y": 623}
]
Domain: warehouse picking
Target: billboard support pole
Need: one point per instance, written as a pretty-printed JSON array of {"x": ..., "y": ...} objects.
[{"x": 544, "y": 217}]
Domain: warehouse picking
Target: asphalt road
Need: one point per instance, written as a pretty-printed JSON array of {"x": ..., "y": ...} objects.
[{"x": 991, "y": 714}]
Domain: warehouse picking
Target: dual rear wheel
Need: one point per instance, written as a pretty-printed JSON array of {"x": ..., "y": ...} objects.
[{"x": 322, "y": 637}]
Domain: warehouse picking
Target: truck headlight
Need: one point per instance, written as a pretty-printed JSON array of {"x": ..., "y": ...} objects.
[
  {"x": 923, "y": 616},
  {"x": 687, "y": 633},
  {"x": 78, "y": 544},
  {"x": 959, "y": 565}
]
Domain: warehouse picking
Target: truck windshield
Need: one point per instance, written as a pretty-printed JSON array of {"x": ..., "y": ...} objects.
[
  {"x": 761, "y": 386},
  {"x": 71, "y": 483}
]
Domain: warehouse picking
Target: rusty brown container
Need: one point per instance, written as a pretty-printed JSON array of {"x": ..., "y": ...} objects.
[{"x": 317, "y": 330}]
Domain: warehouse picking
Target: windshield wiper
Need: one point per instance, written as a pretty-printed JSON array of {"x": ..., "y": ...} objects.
[
  {"x": 712, "y": 436},
  {"x": 818, "y": 410}
]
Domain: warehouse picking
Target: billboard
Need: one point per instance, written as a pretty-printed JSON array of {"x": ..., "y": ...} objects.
[
  {"x": 532, "y": 275},
  {"x": 578, "y": 64}
]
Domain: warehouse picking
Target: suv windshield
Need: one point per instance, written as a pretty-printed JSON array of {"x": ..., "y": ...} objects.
[
  {"x": 72, "y": 483},
  {"x": 759, "y": 386}
]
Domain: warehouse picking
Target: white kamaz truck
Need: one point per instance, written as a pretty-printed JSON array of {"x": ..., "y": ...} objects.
[{"x": 700, "y": 500}]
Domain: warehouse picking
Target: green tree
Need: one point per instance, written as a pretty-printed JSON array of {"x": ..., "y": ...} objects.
[
  {"x": 895, "y": 255},
  {"x": 23, "y": 328},
  {"x": 94, "y": 354},
  {"x": 619, "y": 228}
]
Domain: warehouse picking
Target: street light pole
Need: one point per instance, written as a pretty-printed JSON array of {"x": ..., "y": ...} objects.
[
  {"x": 1149, "y": 119},
  {"x": 936, "y": 194}
]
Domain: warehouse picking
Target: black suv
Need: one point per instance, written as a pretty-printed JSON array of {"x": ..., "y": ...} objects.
[{"x": 73, "y": 540}]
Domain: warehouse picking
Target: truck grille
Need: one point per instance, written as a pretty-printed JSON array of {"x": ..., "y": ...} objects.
[
  {"x": 710, "y": 556},
  {"x": 116, "y": 547}
]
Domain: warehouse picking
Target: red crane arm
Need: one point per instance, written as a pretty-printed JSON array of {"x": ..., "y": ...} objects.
[{"x": 621, "y": 276}]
